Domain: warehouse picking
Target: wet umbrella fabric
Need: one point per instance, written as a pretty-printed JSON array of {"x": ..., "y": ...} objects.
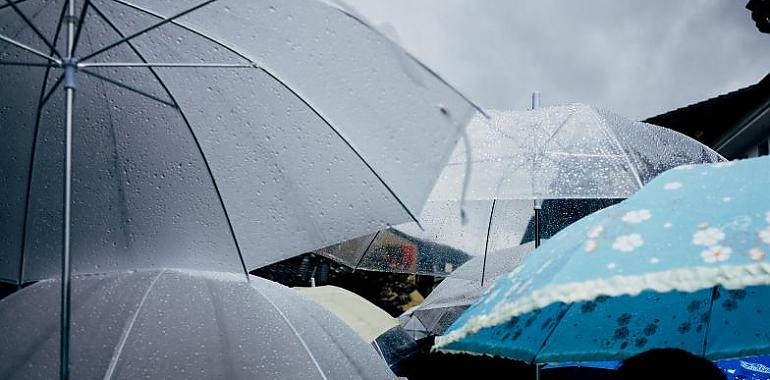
[
  {"x": 572, "y": 159},
  {"x": 681, "y": 264},
  {"x": 181, "y": 324},
  {"x": 205, "y": 129},
  {"x": 456, "y": 293},
  {"x": 364, "y": 317}
]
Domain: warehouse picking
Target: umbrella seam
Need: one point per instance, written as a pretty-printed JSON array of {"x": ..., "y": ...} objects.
[
  {"x": 714, "y": 295},
  {"x": 294, "y": 330},
  {"x": 627, "y": 157},
  {"x": 486, "y": 243},
  {"x": 126, "y": 331}
]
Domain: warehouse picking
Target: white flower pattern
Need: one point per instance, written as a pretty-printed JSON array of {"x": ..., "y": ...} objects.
[
  {"x": 637, "y": 216},
  {"x": 708, "y": 236},
  {"x": 757, "y": 254},
  {"x": 628, "y": 243},
  {"x": 673, "y": 186},
  {"x": 590, "y": 245},
  {"x": 595, "y": 231},
  {"x": 764, "y": 235},
  {"x": 716, "y": 254}
]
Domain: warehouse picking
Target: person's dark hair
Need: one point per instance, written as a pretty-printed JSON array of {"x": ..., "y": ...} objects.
[
  {"x": 760, "y": 13},
  {"x": 668, "y": 363}
]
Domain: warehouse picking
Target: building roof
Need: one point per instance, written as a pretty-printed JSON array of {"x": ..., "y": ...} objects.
[{"x": 729, "y": 123}]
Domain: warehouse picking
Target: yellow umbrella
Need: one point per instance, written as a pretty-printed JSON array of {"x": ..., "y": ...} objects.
[{"x": 365, "y": 318}]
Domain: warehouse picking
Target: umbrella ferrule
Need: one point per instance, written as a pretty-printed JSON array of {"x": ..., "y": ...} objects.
[{"x": 70, "y": 65}]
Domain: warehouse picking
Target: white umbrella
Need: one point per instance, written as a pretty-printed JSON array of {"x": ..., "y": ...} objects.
[
  {"x": 180, "y": 324},
  {"x": 223, "y": 135}
]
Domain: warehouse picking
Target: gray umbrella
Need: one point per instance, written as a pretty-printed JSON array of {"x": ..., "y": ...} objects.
[
  {"x": 210, "y": 134},
  {"x": 181, "y": 324}
]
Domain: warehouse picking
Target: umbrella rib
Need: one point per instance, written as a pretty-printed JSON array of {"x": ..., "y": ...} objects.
[
  {"x": 612, "y": 135},
  {"x": 124, "y": 86},
  {"x": 8, "y": 5},
  {"x": 294, "y": 330},
  {"x": 148, "y": 29},
  {"x": 29, "y": 64},
  {"x": 194, "y": 136},
  {"x": 486, "y": 243},
  {"x": 714, "y": 294},
  {"x": 166, "y": 64},
  {"x": 42, "y": 100},
  {"x": 33, "y": 27},
  {"x": 550, "y": 333},
  {"x": 80, "y": 26},
  {"x": 29, "y": 49},
  {"x": 127, "y": 330},
  {"x": 366, "y": 250}
]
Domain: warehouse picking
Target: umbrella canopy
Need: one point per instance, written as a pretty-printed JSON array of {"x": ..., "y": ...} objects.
[
  {"x": 181, "y": 324},
  {"x": 456, "y": 293},
  {"x": 579, "y": 158},
  {"x": 205, "y": 129},
  {"x": 680, "y": 264},
  {"x": 568, "y": 151},
  {"x": 364, "y": 317}
]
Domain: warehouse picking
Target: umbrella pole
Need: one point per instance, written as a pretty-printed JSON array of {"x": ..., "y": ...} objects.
[
  {"x": 536, "y": 207},
  {"x": 69, "y": 65}
]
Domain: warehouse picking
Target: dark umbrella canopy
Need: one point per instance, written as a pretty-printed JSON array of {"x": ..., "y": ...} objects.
[{"x": 205, "y": 129}]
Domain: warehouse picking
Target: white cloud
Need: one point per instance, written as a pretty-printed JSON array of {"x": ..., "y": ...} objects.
[{"x": 638, "y": 59}]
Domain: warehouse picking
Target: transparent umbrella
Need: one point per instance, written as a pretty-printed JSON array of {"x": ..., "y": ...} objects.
[
  {"x": 223, "y": 135},
  {"x": 532, "y": 173},
  {"x": 456, "y": 293},
  {"x": 181, "y": 324}
]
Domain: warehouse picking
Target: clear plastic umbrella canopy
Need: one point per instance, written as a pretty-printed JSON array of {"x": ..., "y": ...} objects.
[
  {"x": 201, "y": 130},
  {"x": 456, "y": 293},
  {"x": 181, "y": 324},
  {"x": 572, "y": 160}
]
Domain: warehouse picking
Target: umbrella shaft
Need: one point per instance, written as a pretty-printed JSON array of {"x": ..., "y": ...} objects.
[{"x": 66, "y": 263}]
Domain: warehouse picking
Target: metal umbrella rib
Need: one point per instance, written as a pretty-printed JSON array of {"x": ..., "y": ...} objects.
[{"x": 33, "y": 27}]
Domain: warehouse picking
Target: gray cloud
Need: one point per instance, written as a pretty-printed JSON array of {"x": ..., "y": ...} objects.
[{"x": 638, "y": 58}]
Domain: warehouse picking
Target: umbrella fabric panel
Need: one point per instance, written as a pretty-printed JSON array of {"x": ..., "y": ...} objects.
[
  {"x": 739, "y": 323},
  {"x": 653, "y": 149},
  {"x": 198, "y": 325},
  {"x": 17, "y": 123}
]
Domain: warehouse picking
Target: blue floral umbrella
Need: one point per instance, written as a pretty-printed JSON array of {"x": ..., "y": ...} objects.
[{"x": 680, "y": 264}]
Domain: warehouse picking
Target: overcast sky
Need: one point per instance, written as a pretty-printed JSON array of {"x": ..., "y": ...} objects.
[{"x": 638, "y": 58}]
